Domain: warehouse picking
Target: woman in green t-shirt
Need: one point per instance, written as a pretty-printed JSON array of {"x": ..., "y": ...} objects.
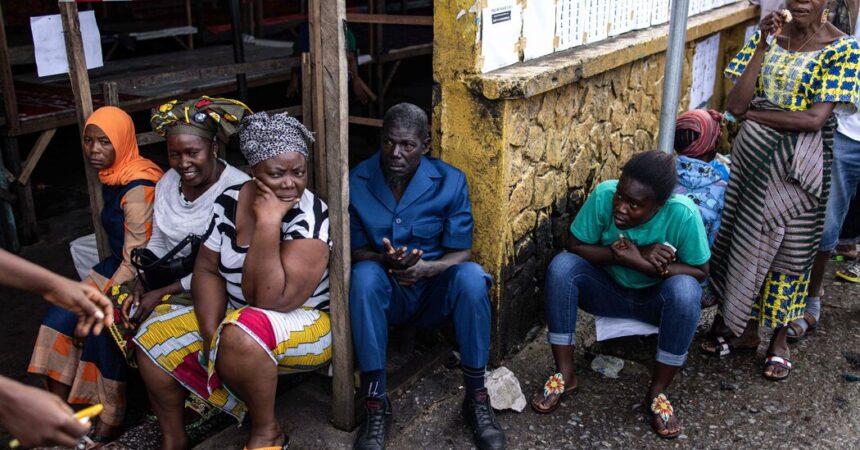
[{"x": 636, "y": 251}]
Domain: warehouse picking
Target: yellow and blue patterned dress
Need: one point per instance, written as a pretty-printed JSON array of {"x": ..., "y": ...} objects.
[{"x": 771, "y": 226}]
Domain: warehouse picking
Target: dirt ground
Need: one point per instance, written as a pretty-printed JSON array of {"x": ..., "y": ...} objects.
[{"x": 722, "y": 403}]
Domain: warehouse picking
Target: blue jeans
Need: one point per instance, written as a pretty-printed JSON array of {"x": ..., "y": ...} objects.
[
  {"x": 673, "y": 305},
  {"x": 376, "y": 301},
  {"x": 845, "y": 176}
]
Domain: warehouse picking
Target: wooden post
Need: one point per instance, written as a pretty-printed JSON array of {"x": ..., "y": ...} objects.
[
  {"x": 9, "y": 99},
  {"x": 318, "y": 104},
  {"x": 307, "y": 76},
  {"x": 27, "y": 227},
  {"x": 189, "y": 18},
  {"x": 80, "y": 81},
  {"x": 330, "y": 28},
  {"x": 238, "y": 47}
]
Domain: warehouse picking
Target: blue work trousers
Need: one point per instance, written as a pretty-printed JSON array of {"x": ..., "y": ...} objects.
[
  {"x": 377, "y": 301},
  {"x": 673, "y": 305},
  {"x": 845, "y": 177}
]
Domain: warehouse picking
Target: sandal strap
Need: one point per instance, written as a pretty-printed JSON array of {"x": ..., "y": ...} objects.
[
  {"x": 723, "y": 346},
  {"x": 661, "y": 406},
  {"x": 774, "y": 360},
  {"x": 554, "y": 385}
]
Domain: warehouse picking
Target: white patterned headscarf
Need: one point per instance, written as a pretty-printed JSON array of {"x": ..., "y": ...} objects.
[{"x": 262, "y": 136}]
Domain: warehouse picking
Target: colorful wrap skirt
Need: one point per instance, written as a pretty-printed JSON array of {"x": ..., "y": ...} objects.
[
  {"x": 297, "y": 341},
  {"x": 97, "y": 371}
]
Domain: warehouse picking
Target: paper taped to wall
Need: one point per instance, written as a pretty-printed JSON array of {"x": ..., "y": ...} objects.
[{"x": 49, "y": 44}]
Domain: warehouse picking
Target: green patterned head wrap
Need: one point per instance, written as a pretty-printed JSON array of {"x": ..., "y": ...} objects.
[{"x": 206, "y": 117}]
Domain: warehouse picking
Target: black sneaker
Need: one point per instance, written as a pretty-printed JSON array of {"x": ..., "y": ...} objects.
[
  {"x": 374, "y": 430},
  {"x": 479, "y": 415}
]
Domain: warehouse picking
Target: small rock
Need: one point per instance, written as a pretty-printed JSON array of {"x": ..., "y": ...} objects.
[
  {"x": 850, "y": 377},
  {"x": 504, "y": 390},
  {"x": 726, "y": 386}
]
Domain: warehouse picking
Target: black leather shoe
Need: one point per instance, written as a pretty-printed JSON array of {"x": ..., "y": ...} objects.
[
  {"x": 479, "y": 415},
  {"x": 374, "y": 430}
]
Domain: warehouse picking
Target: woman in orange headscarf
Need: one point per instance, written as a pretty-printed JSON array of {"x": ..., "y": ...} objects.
[{"x": 91, "y": 369}]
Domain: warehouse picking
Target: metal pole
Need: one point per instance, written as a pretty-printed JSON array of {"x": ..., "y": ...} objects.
[
  {"x": 238, "y": 47},
  {"x": 672, "y": 75}
]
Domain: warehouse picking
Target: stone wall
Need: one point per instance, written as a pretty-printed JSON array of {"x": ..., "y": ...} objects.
[{"x": 531, "y": 160}]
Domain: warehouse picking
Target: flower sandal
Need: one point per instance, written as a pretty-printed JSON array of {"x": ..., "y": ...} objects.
[
  {"x": 776, "y": 361},
  {"x": 661, "y": 411},
  {"x": 554, "y": 391}
]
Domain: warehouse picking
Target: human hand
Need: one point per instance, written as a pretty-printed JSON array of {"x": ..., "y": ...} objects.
[
  {"x": 411, "y": 275},
  {"x": 399, "y": 258},
  {"x": 93, "y": 309},
  {"x": 38, "y": 418},
  {"x": 625, "y": 252},
  {"x": 133, "y": 300},
  {"x": 660, "y": 256},
  {"x": 772, "y": 25},
  {"x": 144, "y": 306},
  {"x": 268, "y": 208}
]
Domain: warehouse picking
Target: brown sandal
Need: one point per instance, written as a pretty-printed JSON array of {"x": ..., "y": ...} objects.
[
  {"x": 554, "y": 391},
  {"x": 661, "y": 409}
]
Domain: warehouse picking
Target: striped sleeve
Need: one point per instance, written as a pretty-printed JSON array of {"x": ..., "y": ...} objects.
[{"x": 308, "y": 221}]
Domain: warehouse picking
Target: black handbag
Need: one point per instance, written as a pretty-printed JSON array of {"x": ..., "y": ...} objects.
[{"x": 155, "y": 272}]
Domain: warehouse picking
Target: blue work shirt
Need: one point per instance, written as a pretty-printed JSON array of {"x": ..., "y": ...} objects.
[{"x": 434, "y": 214}]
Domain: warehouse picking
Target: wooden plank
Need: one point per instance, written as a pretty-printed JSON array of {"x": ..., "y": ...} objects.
[
  {"x": 9, "y": 99},
  {"x": 388, "y": 78},
  {"x": 330, "y": 29},
  {"x": 209, "y": 72},
  {"x": 389, "y": 19},
  {"x": 189, "y": 19},
  {"x": 80, "y": 81},
  {"x": 405, "y": 53},
  {"x": 35, "y": 155},
  {"x": 147, "y": 138},
  {"x": 366, "y": 121},
  {"x": 318, "y": 110}
]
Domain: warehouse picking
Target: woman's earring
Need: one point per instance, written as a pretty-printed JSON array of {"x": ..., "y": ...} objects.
[{"x": 824, "y": 15}]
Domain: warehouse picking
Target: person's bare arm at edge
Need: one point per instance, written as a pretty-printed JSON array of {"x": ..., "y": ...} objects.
[
  {"x": 93, "y": 309},
  {"x": 209, "y": 293}
]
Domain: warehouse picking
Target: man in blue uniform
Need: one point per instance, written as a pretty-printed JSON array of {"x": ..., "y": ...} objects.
[{"x": 411, "y": 230}]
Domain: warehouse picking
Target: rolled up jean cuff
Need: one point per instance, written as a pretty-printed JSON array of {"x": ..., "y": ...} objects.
[
  {"x": 670, "y": 359},
  {"x": 561, "y": 338}
]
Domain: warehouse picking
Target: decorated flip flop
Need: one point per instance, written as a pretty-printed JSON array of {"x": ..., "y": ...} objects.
[
  {"x": 553, "y": 390},
  {"x": 662, "y": 410}
]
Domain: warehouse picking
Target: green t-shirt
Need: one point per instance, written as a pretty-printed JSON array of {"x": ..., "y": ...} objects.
[{"x": 678, "y": 222}]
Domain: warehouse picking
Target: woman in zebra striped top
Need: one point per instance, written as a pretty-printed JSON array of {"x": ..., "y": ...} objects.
[{"x": 260, "y": 292}]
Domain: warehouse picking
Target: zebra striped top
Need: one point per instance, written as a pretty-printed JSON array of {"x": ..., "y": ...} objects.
[{"x": 307, "y": 220}]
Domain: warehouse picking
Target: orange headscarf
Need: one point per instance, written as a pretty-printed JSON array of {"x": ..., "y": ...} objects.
[{"x": 128, "y": 165}]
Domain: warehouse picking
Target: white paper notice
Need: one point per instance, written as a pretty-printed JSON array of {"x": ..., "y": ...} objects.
[
  {"x": 704, "y": 71},
  {"x": 50, "y": 46},
  {"x": 538, "y": 29},
  {"x": 501, "y": 27}
]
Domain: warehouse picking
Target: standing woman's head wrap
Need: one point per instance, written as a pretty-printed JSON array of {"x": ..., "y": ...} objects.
[
  {"x": 206, "y": 117},
  {"x": 262, "y": 136},
  {"x": 705, "y": 123},
  {"x": 128, "y": 165}
]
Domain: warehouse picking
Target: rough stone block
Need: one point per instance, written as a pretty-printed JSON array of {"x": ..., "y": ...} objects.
[
  {"x": 521, "y": 197},
  {"x": 523, "y": 224},
  {"x": 536, "y": 145},
  {"x": 519, "y": 130}
]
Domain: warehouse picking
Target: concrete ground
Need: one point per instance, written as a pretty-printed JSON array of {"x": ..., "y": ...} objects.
[{"x": 721, "y": 403}]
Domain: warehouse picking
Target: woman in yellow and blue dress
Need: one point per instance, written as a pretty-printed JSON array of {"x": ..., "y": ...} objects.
[{"x": 792, "y": 76}]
